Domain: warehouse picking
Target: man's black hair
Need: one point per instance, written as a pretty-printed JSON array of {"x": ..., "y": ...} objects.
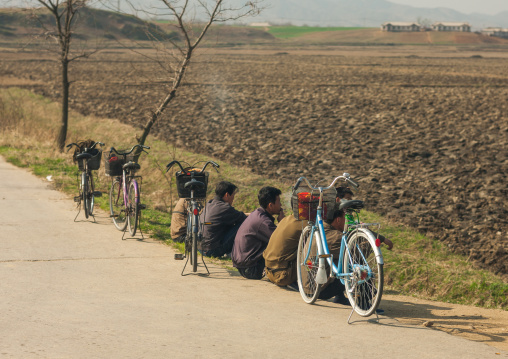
[
  {"x": 335, "y": 213},
  {"x": 224, "y": 187},
  {"x": 342, "y": 191},
  {"x": 268, "y": 195}
]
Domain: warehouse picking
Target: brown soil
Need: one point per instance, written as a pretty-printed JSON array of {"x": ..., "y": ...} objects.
[
  {"x": 426, "y": 137},
  {"x": 376, "y": 36}
]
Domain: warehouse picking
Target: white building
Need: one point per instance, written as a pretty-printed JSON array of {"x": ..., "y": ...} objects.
[
  {"x": 496, "y": 31},
  {"x": 451, "y": 26},
  {"x": 401, "y": 26}
]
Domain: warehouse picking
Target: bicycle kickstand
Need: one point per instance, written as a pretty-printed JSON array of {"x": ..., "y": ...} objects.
[
  {"x": 79, "y": 211},
  {"x": 139, "y": 225},
  {"x": 203, "y": 260},
  {"x": 352, "y": 311},
  {"x": 183, "y": 270}
]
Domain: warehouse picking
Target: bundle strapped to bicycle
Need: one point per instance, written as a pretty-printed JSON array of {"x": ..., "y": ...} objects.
[
  {"x": 87, "y": 147},
  {"x": 305, "y": 202}
]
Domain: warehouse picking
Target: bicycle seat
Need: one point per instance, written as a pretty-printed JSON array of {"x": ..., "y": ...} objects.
[
  {"x": 84, "y": 155},
  {"x": 131, "y": 165},
  {"x": 353, "y": 204},
  {"x": 193, "y": 184}
]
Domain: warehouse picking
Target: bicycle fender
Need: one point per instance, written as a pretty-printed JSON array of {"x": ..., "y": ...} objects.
[{"x": 372, "y": 239}]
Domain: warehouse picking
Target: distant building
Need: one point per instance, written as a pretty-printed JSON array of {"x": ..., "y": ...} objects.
[
  {"x": 401, "y": 26},
  {"x": 496, "y": 31},
  {"x": 259, "y": 24},
  {"x": 451, "y": 26}
]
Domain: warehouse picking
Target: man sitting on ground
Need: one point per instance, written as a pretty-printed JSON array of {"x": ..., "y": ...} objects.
[
  {"x": 280, "y": 254},
  {"x": 179, "y": 221},
  {"x": 345, "y": 193},
  {"x": 221, "y": 221},
  {"x": 254, "y": 234}
]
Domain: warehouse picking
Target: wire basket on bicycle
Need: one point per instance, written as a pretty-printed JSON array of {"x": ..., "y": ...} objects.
[
  {"x": 94, "y": 162},
  {"x": 182, "y": 177},
  {"x": 113, "y": 162},
  {"x": 305, "y": 201}
]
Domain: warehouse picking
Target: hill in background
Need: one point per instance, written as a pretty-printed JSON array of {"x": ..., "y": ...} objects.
[
  {"x": 367, "y": 13},
  {"x": 90, "y": 24},
  {"x": 18, "y": 26}
]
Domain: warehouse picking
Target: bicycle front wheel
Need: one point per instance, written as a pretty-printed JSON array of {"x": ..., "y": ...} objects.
[
  {"x": 133, "y": 207},
  {"x": 363, "y": 262},
  {"x": 116, "y": 205},
  {"x": 84, "y": 192},
  {"x": 307, "y": 266}
]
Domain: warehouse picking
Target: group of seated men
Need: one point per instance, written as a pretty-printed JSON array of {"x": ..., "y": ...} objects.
[{"x": 256, "y": 245}]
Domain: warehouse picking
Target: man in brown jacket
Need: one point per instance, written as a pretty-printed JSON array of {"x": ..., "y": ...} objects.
[
  {"x": 280, "y": 254},
  {"x": 179, "y": 221}
]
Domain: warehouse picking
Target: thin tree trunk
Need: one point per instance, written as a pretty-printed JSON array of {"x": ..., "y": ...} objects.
[
  {"x": 157, "y": 114},
  {"x": 62, "y": 134}
]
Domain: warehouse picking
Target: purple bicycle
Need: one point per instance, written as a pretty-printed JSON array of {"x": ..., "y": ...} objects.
[{"x": 125, "y": 193}]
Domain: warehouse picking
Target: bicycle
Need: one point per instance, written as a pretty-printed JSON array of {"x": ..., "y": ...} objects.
[
  {"x": 125, "y": 192},
  {"x": 192, "y": 184},
  {"x": 89, "y": 159},
  {"x": 360, "y": 263}
]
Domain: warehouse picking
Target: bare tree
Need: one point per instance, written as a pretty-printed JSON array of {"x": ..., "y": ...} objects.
[
  {"x": 61, "y": 30},
  {"x": 175, "y": 53}
]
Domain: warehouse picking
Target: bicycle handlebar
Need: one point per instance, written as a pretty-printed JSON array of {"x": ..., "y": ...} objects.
[
  {"x": 345, "y": 176},
  {"x": 130, "y": 151},
  {"x": 169, "y": 165},
  {"x": 75, "y": 144}
]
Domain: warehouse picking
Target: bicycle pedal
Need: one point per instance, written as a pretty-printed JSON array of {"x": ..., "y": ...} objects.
[
  {"x": 179, "y": 256},
  {"x": 142, "y": 206},
  {"x": 77, "y": 199},
  {"x": 113, "y": 215},
  {"x": 97, "y": 194}
]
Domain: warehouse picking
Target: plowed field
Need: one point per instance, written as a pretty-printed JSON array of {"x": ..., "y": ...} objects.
[{"x": 427, "y": 138}]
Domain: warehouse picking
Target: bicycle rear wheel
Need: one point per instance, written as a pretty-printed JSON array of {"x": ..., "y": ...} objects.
[
  {"x": 307, "y": 266},
  {"x": 116, "y": 205},
  {"x": 133, "y": 207},
  {"x": 364, "y": 285},
  {"x": 194, "y": 252},
  {"x": 91, "y": 198},
  {"x": 84, "y": 192}
]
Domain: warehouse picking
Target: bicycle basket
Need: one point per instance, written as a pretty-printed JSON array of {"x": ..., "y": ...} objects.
[
  {"x": 113, "y": 162},
  {"x": 304, "y": 203},
  {"x": 182, "y": 177},
  {"x": 94, "y": 163}
]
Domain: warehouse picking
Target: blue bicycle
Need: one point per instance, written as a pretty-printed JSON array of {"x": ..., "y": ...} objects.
[{"x": 360, "y": 263}]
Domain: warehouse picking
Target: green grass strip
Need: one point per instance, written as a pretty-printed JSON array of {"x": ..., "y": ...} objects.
[{"x": 287, "y": 32}]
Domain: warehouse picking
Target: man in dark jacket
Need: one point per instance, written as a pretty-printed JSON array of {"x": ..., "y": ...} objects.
[
  {"x": 254, "y": 234},
  {"x": 221, "y": 221}
]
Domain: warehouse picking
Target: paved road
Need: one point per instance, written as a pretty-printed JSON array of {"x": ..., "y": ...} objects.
[{"x": 76, "y": 290}]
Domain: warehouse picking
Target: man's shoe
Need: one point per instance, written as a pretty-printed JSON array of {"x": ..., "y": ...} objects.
[
  {"x": 294, "y": 286},
  {"x": 341, "y": 299}
]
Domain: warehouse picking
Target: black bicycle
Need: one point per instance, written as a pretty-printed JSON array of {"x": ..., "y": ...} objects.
[
  {"x": 89, "y": 159},
  {"x": 192, "y": 184}
]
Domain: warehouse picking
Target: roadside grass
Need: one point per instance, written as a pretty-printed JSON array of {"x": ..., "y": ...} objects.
[
  {"x": 417, "y": 266},
  {"x": 287, "y": 32}
]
